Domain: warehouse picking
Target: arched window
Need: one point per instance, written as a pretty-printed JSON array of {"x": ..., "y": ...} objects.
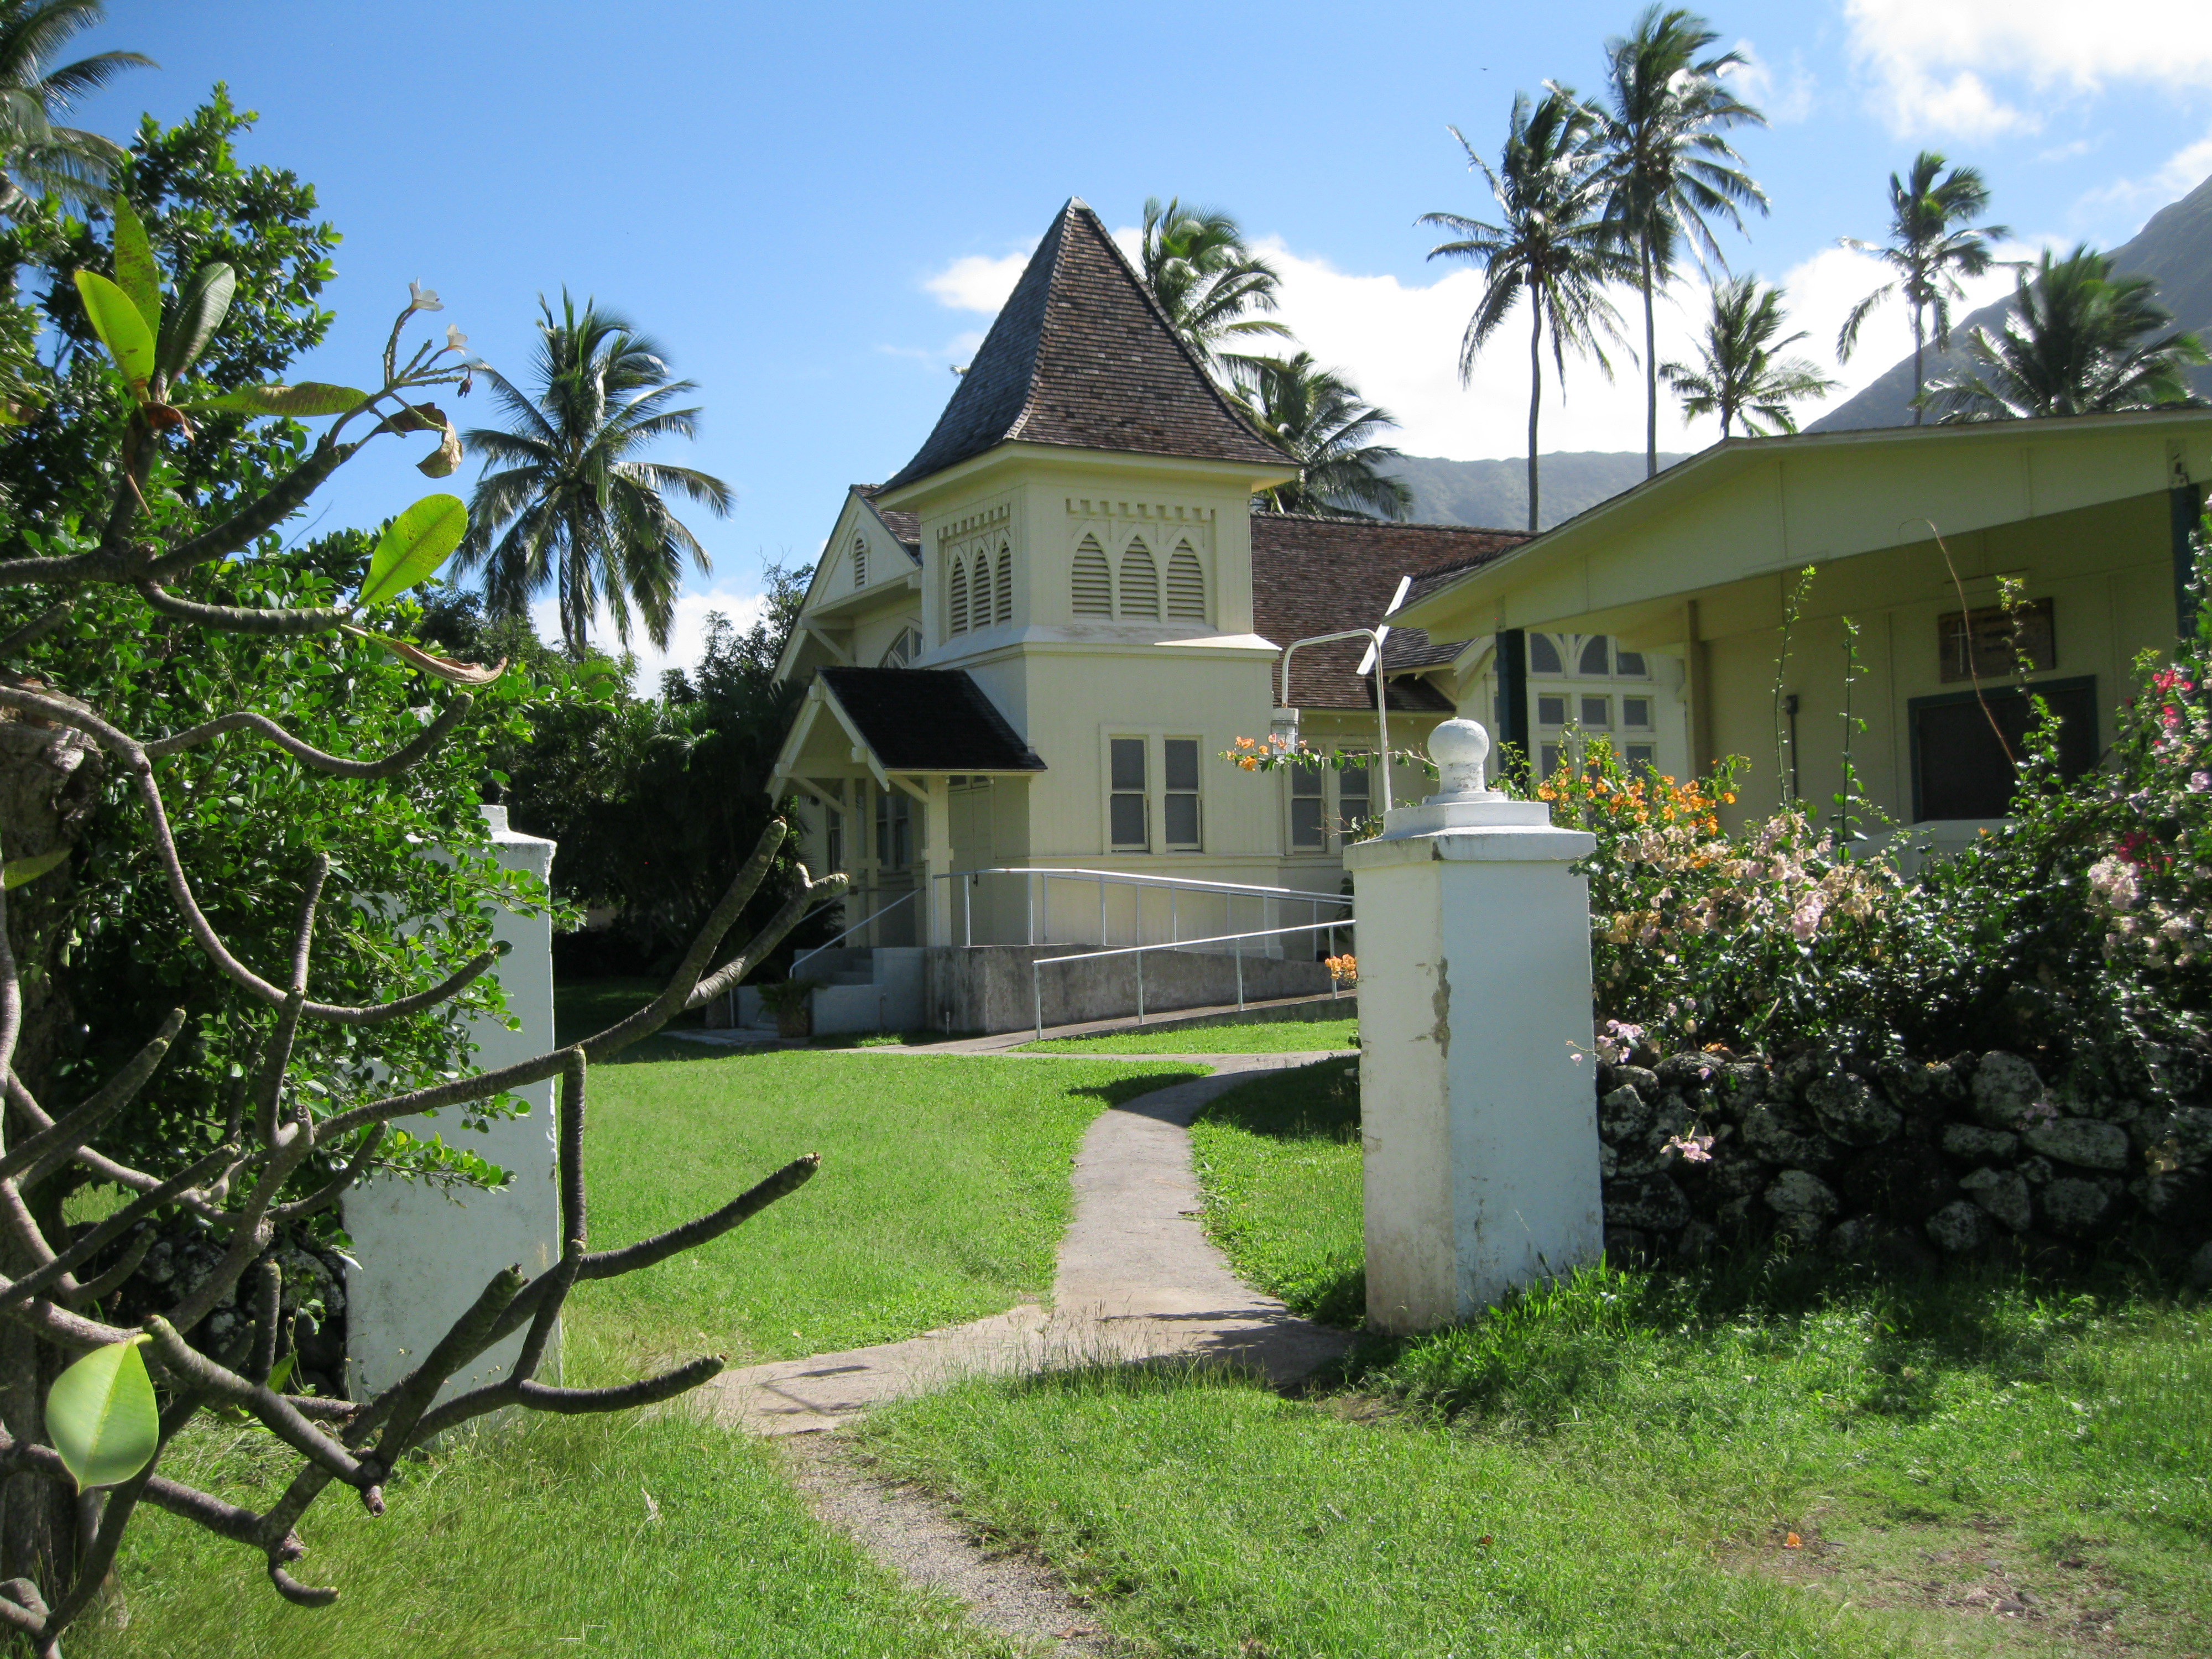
[
  {"x": 859, "y": 562},
  {"x": 1544, "y": 655},
  {"x": 1185, "y": 585},
  {"x": 1005, "y": 584},
  {"x": 904, "y": 649},
  {"x": 1594, "y": 659},
  {"x": 957, "y": 619},
  {"x": 1140, "y": 582},
  {"x": 1093, "y": 587}
]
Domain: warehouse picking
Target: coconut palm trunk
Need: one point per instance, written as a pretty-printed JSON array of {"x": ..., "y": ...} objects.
[
  {"x": 1650, "y": 366},
  {"x": 1535, "y": 400}
]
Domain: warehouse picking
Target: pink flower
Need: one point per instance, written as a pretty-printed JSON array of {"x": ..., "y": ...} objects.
[
  {"x": 2200, "y": 783},
  {"x": 1694, "y": 1149},
  {"x": 1805, "y": 921}
]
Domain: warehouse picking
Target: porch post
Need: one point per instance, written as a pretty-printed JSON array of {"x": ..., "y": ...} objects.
[{"x": 936, "y": 857}]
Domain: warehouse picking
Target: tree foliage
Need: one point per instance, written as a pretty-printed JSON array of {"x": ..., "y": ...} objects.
[
  {"x": 565, "y": 500},
  {"x": 1208, "y": 283},
  {"x": 37, "y": 156},
  {"x": 1550, "y": 244},
  {"x": 1931, "y": 246},
  {"x": 1315, "y": 416},
  {"x": 2079, "y": 341},
  {"x": 1740, "y": 373}
]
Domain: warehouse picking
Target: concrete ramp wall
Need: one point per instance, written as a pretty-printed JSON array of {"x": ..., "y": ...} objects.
[{"x": 987, "y": 988}]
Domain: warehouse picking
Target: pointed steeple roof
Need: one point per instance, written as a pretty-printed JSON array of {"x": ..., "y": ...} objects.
[{"x": 1082, "y": 355}]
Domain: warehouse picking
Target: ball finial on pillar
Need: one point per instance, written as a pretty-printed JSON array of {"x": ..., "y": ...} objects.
[{"x": 1460, "y": 749}]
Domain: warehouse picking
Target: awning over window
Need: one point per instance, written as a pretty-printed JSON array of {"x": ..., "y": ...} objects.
[{"x": 878, "y": 721}]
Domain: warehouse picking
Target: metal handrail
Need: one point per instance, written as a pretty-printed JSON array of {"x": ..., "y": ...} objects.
[
  {"x": 1037, "y": 879},
  {"x": 906, "y": 897},
  {"x": 1037, "y": 981},
  {"x": 1124, "y": 878}
]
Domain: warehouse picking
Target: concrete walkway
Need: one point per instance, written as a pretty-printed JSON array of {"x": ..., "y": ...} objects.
[{"x": 1137, "y": 1278}]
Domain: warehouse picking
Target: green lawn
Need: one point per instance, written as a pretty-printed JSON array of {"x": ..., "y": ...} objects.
[
  {"x": 1280, "y": 1159},
  {"x": 1616, "y": 1466},
  {"x": 1274, "y": 1038},
  {"x": 943, "y": 1192}
]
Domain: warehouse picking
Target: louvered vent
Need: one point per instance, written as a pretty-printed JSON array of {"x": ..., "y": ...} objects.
[
  {"x": 859, "y": 562},
  {"x": 1093, "y": 590},
  {"x": 1005, "y": 586},
  {"x": 1185, "y": 585},
  {"x": 1140, "y": 582},
  {"x": 959, "y": 622}
]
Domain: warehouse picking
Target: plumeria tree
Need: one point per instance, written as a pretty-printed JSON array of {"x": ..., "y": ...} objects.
[{"x": 88, "y": 1404}]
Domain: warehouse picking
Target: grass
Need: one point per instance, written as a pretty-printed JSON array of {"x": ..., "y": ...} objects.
[
  {"x": 941, "y": 1196},
  {"x": 1780, "y": 1459},
  {"x": 943, "y": 1193},
  {"x": 1273, "y": 1037},
  {"x": 1279, "y": 1161},
  {"x": 648, "y": 1535}
]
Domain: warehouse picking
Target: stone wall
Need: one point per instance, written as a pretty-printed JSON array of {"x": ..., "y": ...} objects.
[{"x": 1901, "y": 1163}]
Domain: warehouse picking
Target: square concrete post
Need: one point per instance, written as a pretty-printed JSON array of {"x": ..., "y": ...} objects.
[
  {"x": 423, "y": 1254},
  {"x": 1476, "y": 1092}
]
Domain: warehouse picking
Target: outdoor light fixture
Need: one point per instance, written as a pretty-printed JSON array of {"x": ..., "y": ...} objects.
[{"x": 1283, "y": 727}]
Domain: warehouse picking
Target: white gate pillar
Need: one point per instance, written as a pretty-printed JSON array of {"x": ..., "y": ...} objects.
[
  {"x": 1477, "y": 1108},
  {"x": 424, "y": 1256}
]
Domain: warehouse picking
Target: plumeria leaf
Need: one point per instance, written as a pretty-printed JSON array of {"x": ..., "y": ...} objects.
[
  {"x": 193, "y": 321},
  {"x": 22, "y": 872},
  {"x": 136, "y": 273},
  {"x": 413, "y": 546},
  {"x": 441, "y": 462},
  {"x": 309, "y": 398},
  {"x": 115, "y": 318},
  {"x": 102, "y": 1416},
  {"x": 443, "y": 668}
]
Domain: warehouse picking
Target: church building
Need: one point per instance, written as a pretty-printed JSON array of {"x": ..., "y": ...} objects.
[{"x": 1026, "y": 654}]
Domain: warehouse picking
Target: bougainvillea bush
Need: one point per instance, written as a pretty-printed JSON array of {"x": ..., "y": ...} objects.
[{"x": 2076, "y": 932}]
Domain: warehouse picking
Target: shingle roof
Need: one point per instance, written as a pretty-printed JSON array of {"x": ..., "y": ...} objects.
[
  {"x": 1314, "y": 576},
  {"x": 1082, "y": 355},
  {"x": 928, "y": 719},
  {"x": 906, "y": 526}
]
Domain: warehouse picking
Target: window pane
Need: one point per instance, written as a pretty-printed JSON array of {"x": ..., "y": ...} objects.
[
  {"x": 1129, "y": 820},
  {"x": 1183, "y": 820},
  {"x": 1306, "y": 834},
  {"x": 1550, "y": 711},
  {"x": 1636, "y": 711},
  {"x": 1179, "y": 758},
  {"x": 1593, "y": 655},
  {"x": 1352, "y": 780},
  {"x": 1643, "y": 756},
  {"x": 1597, "y": 713},
  {"x": 1304, "y": 780},
  {"x": 1544, "y": 656},
  {"x": 1548, "y": 758},
  {"x": 1964, "y": 772},
  {"x": 1128, "y": 762},
  {"x": 1629, "y": 665}
]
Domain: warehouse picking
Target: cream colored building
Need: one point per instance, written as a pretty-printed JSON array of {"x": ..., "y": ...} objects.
[
  {"x": 1909, "y": 534},
  {"x": 1028, "y": 650}
]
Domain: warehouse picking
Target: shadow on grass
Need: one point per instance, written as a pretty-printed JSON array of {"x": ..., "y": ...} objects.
[
  {"x": 1319, "y": 1102},
  {"x": 1118, "y": 1092}
]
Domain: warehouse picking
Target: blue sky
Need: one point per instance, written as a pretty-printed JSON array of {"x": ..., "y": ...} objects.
[{"x": 816, "y": 207}]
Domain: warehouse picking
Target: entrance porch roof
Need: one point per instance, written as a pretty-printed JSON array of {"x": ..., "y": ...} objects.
[{"x": 879, "y": 722}]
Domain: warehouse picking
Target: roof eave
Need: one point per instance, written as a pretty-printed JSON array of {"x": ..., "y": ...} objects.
[{"x": 1254, "y": 476}]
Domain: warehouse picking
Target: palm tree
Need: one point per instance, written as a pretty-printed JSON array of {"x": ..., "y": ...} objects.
[
  {"x": 1551, "y": 245},
  {"x": 580, "y": 514},
  {"x": 2077, "y": 343},
  {"x": 1206, "y": 280},
  {"x": 1317, "y": 417},
  {"x": 1741, "y": 374},
  {"x": 1930, "y": 246},
  {"x": 1667, "y": 169},
  {"x": 36, "y": 156}
]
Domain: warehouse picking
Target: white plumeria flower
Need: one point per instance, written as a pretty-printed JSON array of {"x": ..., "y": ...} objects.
[
  {"x": 455, "y": 340},
  {"x": 423, "y": 299}
]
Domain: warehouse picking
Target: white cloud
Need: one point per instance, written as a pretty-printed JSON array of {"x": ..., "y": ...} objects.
[
  {"x": 687, "y": 634},
  {"x": 973, "y": 282},
  {"x": 1783, "y": 95},
  {"x": 1938, "y": 65},
  {"x": 2181, "y": 173}
]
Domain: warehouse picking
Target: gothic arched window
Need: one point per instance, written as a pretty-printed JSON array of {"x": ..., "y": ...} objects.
[
  {"x": 1140, "y": 582},
  {"x": 1091, "y": 586},
  {"x": 1186, "y": 585},
  {"x": 956, "y": 622},
  {"x": 1544, "y": 655},
  {"x": 1005, "y": 584}
]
